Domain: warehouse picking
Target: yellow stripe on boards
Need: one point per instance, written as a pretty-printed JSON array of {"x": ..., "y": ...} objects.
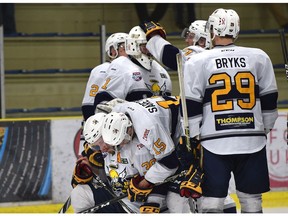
[
  {"x": 50, "y": 208},
  {"x": 270, "y": 199}
]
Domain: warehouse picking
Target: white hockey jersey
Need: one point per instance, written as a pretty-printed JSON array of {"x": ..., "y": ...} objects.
[
  {"x": 232, "y": 93},
  {"x": 165, "y": 53},
  {"x": 96, "y": 78},
  {"x": 133, "y": 158},
  {"x": 128, "y": 81},
  {"x": 157, "y": 126}
]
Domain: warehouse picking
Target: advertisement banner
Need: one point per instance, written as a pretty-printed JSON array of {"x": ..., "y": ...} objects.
[
  {"x": 277, "y": 153},
  {"x": 25, "y": 161}
]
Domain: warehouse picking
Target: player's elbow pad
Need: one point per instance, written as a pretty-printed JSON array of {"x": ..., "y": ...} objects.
[{"x": 169, "y": 56}]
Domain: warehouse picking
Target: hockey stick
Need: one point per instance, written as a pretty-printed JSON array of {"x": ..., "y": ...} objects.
[
  {"x": 116, "y": 199},
  {"x": 183, "y": 100},
  {"x": 110, "y": 191},
  {"x": 65, "y": 206},
  {"x": 284, "y": 50}
]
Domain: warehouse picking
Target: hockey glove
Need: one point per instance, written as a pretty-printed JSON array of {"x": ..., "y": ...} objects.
[
  {"x": 185, "y": 157},
  {"x": 191, "y": 186},
  {"x": 95, "y": 157},
  {"x": 174, "y": 185},
  {"x": 82, "y": 174},
  {"x": 135, "y": 193},
  {"x": 107, "y": 106},
  {"x": 151, "y": 28},
  {"x": 150, "y": 208}
]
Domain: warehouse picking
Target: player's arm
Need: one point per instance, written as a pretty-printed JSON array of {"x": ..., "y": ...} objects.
[
  {"x": 163, "y": 51},
  {"x": 268, "y": 94},
  {"x": 87, "y": 111},
  {"x": 169, "y": 56},
  {"x": 162, "y": 148},
  {"x": 102, "y": 97},
  {"x": 82, "y": 198},
  {"x": 89, "y": 95},
  {"x": 192, "y": 83},
  {"x": 158, "y": 46}
]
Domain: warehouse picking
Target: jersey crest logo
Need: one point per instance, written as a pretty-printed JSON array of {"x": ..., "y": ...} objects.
[
  {"x": 137, "y": 76},
  {"x": 155, "y": 88},
  {"x": 117, "y": 178}
]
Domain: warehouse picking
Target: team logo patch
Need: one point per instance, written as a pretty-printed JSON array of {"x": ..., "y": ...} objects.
[
  {"x": 124, "y": 160},
  {"x": 163, "y": 76},
  {"x": 146, "y": 134},
  {"x": 155, "y": 88},
  {"x": 137, "y": 76}
]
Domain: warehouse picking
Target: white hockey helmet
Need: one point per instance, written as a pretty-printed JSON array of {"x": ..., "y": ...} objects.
[
  {"x": 137, "y": 37},
  {"x": 113, "y": 41},
  {"x": 198, "y": 29},
  {"x": 92, "y": 127},
  {"x": 224, "y": 22},
  {"x": 114, "y": 128}
]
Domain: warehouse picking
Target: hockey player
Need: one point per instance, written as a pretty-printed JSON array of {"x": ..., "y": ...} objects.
[
  {"x": 87, "y": 192},
  {"x": 128, "y": 161},
  {"x": 195, "y": 37},
  {"x": 136, "y": 76},
  {"x": 232, "y": 93},
  {"x": 198, "y": 40},
  {"x": 113, "y": 50},
  {"x": 122, "y": 162},
  {"x": 159, "y": 130},
  {"x": 163, "y": 114}
]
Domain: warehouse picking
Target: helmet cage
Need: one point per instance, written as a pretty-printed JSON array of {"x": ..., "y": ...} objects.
[{"x": 135, "y": 39}]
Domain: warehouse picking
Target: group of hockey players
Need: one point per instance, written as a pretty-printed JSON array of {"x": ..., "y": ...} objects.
[{"x": 135, "y": 145}]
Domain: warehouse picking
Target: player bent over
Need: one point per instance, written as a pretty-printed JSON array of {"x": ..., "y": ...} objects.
[
  {"x": 156, "y": 123},
  {"x": 122, "y": 162},
  {"x": 87, "y": 191}
]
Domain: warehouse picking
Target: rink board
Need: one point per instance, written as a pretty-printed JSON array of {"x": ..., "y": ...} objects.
[{"x": 273, "y": 202}]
